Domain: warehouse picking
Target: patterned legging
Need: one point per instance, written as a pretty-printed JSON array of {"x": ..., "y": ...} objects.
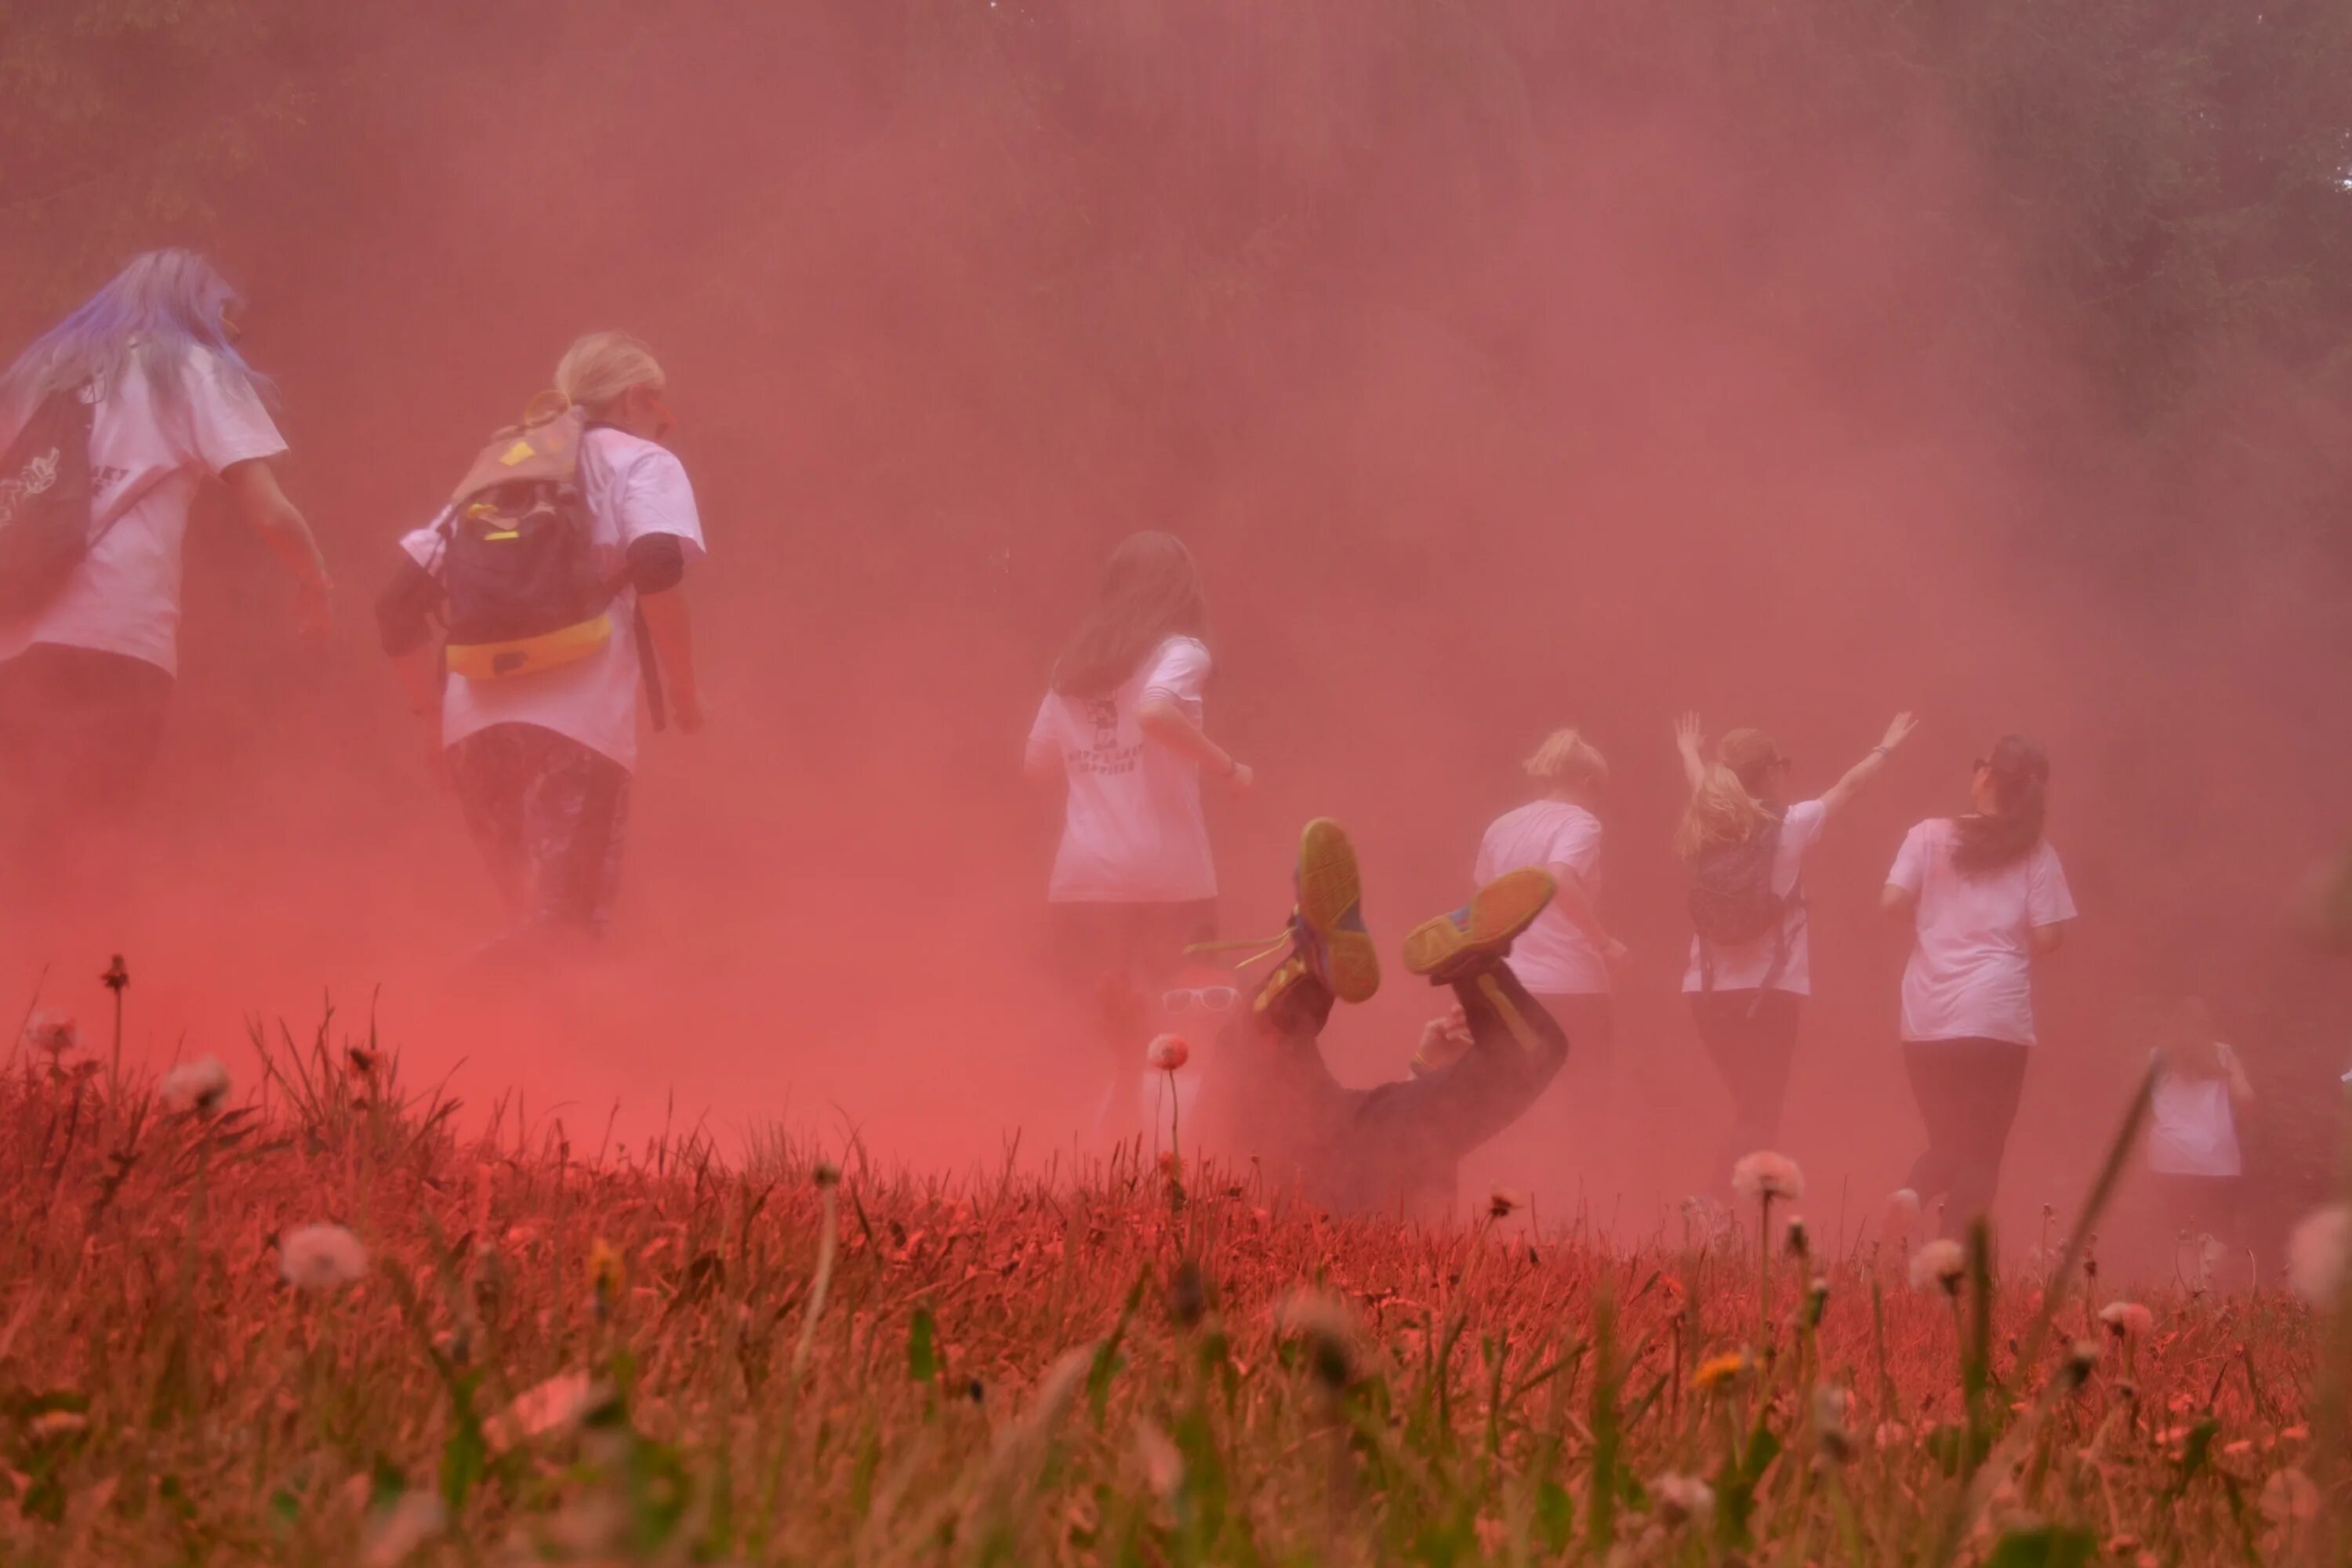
[{"x": 548, "y": 815}]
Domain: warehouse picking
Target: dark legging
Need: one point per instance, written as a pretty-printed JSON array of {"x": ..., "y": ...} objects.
[
  {"x": 1966, "y": 1091},
  {"x": 78, "y": 731},
  {"x": 1752, "y": 1038}
]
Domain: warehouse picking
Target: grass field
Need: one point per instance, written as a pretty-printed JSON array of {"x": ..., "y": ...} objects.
[{"x": 513, "y": 1345}]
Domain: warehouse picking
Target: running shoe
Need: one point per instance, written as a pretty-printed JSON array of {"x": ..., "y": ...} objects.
[
  {"x": 1478, "y": 934},
  {"x": 1328, "y": 925}
]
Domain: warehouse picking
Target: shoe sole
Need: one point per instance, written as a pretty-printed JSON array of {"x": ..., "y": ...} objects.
[
  {"x": 1329, "y": 890},
  {"x": 1498, "y": 912}
]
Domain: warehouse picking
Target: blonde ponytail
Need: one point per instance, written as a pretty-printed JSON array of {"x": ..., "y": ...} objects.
[
  {"x": 1566, "y": 759},
  {"x": 600, "y": 368}
]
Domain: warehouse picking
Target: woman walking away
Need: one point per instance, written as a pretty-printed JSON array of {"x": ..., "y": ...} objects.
[
  {"x": 2192, "y": 1138},
  {"x": 1566, "y": 956},
  {"x": 1986, "y": 897},
  {"x": 1751, "y": 962},
  {"x": 109, "y": 425},
  {"x": 554, "y": 569},
  {"x": 1133, "y": 882}
]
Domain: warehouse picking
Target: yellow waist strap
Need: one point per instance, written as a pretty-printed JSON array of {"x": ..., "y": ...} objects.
[{"x": 527, "y": 656}]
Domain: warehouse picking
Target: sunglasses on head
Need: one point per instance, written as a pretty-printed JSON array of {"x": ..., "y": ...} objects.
[{"x": 1208, "y": 998}]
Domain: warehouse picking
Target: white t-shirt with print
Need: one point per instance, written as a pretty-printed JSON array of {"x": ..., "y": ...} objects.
[
  {"x": 1133, "y": 831},
  {"x": 1971, "y": 969},
  {"x": 2192, "y": 1128},
  {"x": 148, "y": 453},
  {"x": 633, "y": 489},
  {"x": 1744, "y": 968},
  {"x": 1553, "y": 957}
]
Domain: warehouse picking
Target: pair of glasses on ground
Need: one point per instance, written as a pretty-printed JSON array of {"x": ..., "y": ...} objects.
[{"x": 1207, "y": 998}]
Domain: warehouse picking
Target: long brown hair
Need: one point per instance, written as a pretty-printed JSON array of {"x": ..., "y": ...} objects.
[
  {"x": 2021, "y": 787},
  {"x": 1724, "y": 809},
  {"x": 1150, "y": 592}
]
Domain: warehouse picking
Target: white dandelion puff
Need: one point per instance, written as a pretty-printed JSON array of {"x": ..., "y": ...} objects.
[
  {"x": 198, "y": 1086},
  {"x": 51, "y": 1034},
  {"x": 2315, "y": 1252},
  {"x": 1765, "y": 1175},
  {"x": 320, "y": 1257},
  {"x": 1167, "y": 1052},
  {"x": 1682, "y": 1498},
  {"x": 1939, "y": 1263},
  {"x": 2127, "y": 1320}
]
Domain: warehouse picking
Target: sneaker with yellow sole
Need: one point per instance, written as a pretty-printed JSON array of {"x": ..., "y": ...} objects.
[{"x": 1477, "y": 935}]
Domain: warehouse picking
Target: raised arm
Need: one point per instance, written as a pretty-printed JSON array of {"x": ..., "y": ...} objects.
[
  {"x": 1834, "y": 797},
  {"x": 1687, "y": 743}
]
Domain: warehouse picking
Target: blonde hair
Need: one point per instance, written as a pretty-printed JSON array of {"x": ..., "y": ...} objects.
[
  {"x": 600, "y": 368},
  {"x": 1566, "y": 758},
  {"x": 1720, "y": 812},
  {"x": 1723, "y": 809}
]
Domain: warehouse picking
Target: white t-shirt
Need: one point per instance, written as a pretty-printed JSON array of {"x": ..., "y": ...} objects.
[
  {"x": 633, "y": 488},
  {"x": 1744, "y": 968},
  {"x": 1971, "y": 969},
  {"x": 147, "y": 456},
  {"x": 1133, "y": 831},
  {"x": 1554, "y": 957},
  {"x": 2192, "y": 1128}
]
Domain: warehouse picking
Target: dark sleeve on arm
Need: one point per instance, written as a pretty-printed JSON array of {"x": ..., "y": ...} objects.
[
  {"x": 657, "y": 562},
  {"x": 403, "y": 610}
]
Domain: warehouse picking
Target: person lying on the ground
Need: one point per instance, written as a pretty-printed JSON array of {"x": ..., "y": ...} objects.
[{"x": 1392, "y": 1149}]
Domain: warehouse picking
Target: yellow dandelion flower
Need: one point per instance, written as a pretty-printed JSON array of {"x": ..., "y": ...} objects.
[{"x": 1718, "y": 1371}]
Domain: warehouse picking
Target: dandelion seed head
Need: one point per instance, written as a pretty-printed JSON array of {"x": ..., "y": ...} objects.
[
  {"x": 1902, "y": 1216},
  {"x": 1502, "y": 1203},
  {"x": 1319, "y": 1319},
  {"x": 199, "y": 1086},
  {"x": 1167, "y": 1052},
  {"x": 396, "y": 1531},
  {"x": 2315, "y": 1252},
  {"x": 1766, "y": 1174},
  {"x": 1163, "y": 1465},
  {"x": 826, "y": 1174},
  {"x": 1799, "y": 1240},
  {"x": 1939, "y": 1263},
  {"x": 320, "y": 1257},
  {"x": 51, "y": 1034},
  {"x": 2127, "y": 1320},
  {"x": 1683, "y": 1497}
]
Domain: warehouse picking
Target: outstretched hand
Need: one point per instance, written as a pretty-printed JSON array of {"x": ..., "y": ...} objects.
[
  {"x": 1899, "y": 730},
  {"x": 1686, "y": 733}
]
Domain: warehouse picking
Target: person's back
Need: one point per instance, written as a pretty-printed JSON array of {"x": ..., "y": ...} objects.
[
  {"x": 1133, "y": 830},
  {"x": 1970, "y": 971},
  {"x": 90, "y": 650},
  {"x": 1555, "y": 956}
]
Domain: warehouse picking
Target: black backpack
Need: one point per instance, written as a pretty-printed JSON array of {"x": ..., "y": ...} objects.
[
  {"x": 44, "y": 503},
  {"x": 1732, "y": 903},
  {"x": 518, "y": 565}
]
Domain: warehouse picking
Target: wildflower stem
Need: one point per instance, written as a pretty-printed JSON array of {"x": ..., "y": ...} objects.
[{"x": 2079, "y": 1239}]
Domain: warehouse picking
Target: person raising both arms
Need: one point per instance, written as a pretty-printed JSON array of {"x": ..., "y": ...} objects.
[
  {"x": 1750, "y": 964},
  {"x": 109, "y": 425},
  {"x": 1133, "y": 881},
  {"x": 554, "y": 571},
  {"x": 1986, "y": 898}
]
